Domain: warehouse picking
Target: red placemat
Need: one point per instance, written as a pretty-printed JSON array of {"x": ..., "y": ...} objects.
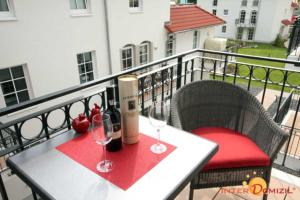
[{"x": 130, "y": 163}]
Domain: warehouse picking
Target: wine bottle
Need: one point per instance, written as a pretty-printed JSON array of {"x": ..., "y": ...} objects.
[{"x": 115, "y": 116}]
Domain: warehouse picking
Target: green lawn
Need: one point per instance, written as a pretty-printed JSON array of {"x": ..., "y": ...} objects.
[{"x": 265, "y": 50}]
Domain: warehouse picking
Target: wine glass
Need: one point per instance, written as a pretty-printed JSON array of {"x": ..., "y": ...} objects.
[
  {"x": 158, "y": 116},
  {"x": 102, "y": 130}
]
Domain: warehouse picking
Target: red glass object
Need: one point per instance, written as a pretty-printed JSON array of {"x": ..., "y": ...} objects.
[
  {"x": 81, "y": 124},
  {"x": 95, "y": 111}
]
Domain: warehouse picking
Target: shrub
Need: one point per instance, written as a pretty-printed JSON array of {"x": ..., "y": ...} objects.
[{"x": 279, "y": 41}]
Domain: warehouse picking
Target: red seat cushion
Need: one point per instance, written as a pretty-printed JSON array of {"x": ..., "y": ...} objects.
[{"x": 235, "y": 149}]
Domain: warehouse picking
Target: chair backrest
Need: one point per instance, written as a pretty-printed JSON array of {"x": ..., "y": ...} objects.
[{"x": 214, "y": 103}]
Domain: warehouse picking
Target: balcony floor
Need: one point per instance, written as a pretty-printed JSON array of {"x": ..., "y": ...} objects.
[
  {"x": 17, "y": 190},
  {"x": 279, "y": 180}
]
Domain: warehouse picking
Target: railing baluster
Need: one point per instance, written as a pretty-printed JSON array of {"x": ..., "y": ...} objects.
[
  {"x": 45, "y": 125},
  {"x": 153, "y": 86},
  {"x": 215, "y": 69},
  {"x": 162, "y": 84},
  {"x": 281, "y": 94},
  {"x": 143, "y": 95},
  {"x": 179, "y": 72},
  {"x": 86, "y": 107},
  {"x": 235, "y": 73},
  {"x": 185, "y": 71},
  {"x": 67, "y": 115},
  {"x": 202, "y": 69},
  {"x": 171, "y": 84},
  {"x": 117, "y": 100},
  {"x": 2, "y": 139},
  {"x": 2, "y": 189},
  {"x": 192, "y": 70},
  {"x": 291, "y": 132},
  {"x": 103, "y": 101},
  {"x": 19, "y": 137},
  {"x": 225, "y": 67},
  {"x": 250, "y": 78},
  {"x": 265, "y": 86}
]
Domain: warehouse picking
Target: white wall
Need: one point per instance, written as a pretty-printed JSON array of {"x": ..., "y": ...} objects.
[
  {"x": 270, "y": 14},
  {"x": 47, "y": 38},
  {"x": 135, "y": 27},
  {"x": 184, "y": 40}
]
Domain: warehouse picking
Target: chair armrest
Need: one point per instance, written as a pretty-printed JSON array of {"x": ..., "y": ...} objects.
[
  {"x": 267, "y": 134},
  {"x": 174, "y": 118}
]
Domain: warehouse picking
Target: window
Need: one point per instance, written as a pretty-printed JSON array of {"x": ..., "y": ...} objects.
[
  {"x": 127, "y": 57},
  {"x": 6, "y": 9},
  {"x": 144, "y": 53},
  {"x": 224, "y": 29},
  {"x": 253, "y": 17},
  {"x": 85, "y": 67},
  {"x": 244, "y": 2},
  {"x": 79, "y": 7},
  {"x": 255, "y": 3},
  {"x": 240, "y": 33},
  {"x": 225, "y": 12},
  {"x": 215, "y": 2},
  {"x": 196, "y": 39},
  {"x": 250, "y": 33},
  {"x": 242, "y": 16},
  {"x": 135, "y": 5},
  {"x": 13, "y": 85},
  {"x": 170, "y": 45},
  {"x": 4, "y": 6},
  {"x": 214, "y": 11}
]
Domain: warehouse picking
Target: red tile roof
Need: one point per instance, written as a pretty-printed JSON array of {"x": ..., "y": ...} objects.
[
  {"x": 187, "y": 17},
  {"x": 286, "y": 22}
]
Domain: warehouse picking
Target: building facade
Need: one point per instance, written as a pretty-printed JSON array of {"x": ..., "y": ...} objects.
[
  {"x": 51, "y": 45},
  {"x": 252, "y": 20}
]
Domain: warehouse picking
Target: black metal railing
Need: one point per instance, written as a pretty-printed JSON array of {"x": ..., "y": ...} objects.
[
  {"x": 283, "y": 109},
  {"x": 166, "y": 76}
]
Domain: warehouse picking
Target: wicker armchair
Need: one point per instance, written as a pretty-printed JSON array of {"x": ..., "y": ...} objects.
[{"x": 220, "y": 104}]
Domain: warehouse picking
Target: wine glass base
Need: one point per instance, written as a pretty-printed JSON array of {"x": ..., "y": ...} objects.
[
  {"x": 158, "y": 148},
  {"x": 104, "y": 166}
]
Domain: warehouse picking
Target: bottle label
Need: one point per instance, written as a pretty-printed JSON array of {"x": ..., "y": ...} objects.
[{"x": 117, "y": 131}]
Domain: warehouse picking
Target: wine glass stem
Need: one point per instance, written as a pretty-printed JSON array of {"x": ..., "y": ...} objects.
[
  {"x": 158, "y": 136},
  {"x": 104, "y": 152}
]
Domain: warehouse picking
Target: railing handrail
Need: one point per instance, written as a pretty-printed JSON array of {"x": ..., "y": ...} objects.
[
  {"x": 64, "y": 92},
  {"x": 73, "y": 89}
]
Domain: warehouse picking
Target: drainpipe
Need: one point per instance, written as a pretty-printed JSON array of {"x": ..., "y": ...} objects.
[{"x": 107, "y": 36}]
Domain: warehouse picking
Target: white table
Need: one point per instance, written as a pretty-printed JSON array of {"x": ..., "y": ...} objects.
[{"x": 54, "y": 175}]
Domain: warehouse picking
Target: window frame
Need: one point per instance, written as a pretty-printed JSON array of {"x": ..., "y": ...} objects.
[
  {"x": 10, "y": 14},
  {"x": 125, "y": 48},
  {"x": 253, "y": 18},
  {"x": 148, "y": 53},
  {"x": 252, "y": 34},
  {"x": 244, "y": 3},
  {"x": 136, "y": 9},
  {"x": 196, "y": 37},
  {"x": 171, "y": 40},
  {"x": 255, "y": 3},
  {"x": 240, "y": 33},
  {"x": 81, "y": 12},
  {"x": 225, "y": 12},
  {"x": 224, "y": 29},
  {"x": 15, "y": 92},
  {"x": 215, "y": 2},
  {"x": 244, "y": 16},
  {"x": 214, "y": 11},
  {"x": 92, "y": 61}
]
